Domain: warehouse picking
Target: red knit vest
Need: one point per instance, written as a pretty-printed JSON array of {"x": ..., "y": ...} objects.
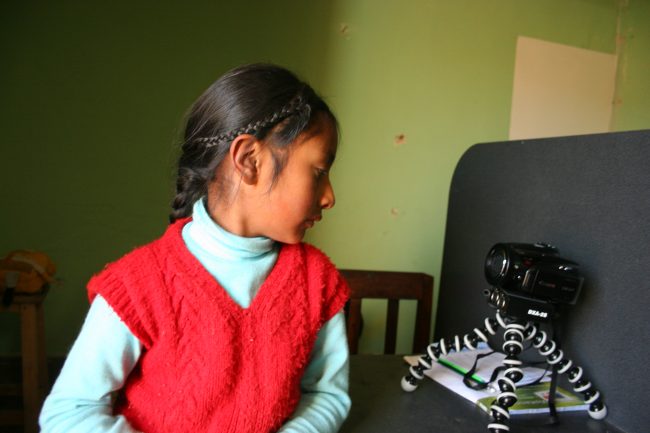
[{"x": 209, "y": 365}]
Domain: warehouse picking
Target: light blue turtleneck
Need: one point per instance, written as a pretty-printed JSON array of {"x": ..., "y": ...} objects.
[
  {"x": 239, "y": 264},
  {"x": 106, "y": 351}
]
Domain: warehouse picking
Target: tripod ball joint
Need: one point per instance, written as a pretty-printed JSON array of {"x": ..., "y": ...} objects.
[
  {"x": 499, "y": 414},
  {"x": 409, "y": 384},
  {"x": 500, "y": 418},
  {"x": 514, "y": 337},
  {"x": 498, "y": 428},
  {"x": 598, "y": 410},
  {"x": 499, "y": 410},
  {"x": 411, "y": 381},
  {"x": 507, "y": 397},
  {"x": 591, "y": 396}
]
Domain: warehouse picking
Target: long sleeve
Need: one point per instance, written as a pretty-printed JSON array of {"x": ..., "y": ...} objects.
[
  {"x": 98, "y": 364},
  {"x": 325, "y": 402}
]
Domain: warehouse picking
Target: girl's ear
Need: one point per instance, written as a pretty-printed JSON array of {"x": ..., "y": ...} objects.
[{"x": 244, "y": 152}]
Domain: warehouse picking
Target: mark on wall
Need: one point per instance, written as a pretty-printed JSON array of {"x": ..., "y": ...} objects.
[
  {"x": 344, "y": 30},
  {"x": 399, "y": 140},
  {"x": 394, "y": 212}
]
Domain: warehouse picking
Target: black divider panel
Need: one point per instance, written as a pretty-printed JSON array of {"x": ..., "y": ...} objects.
[{"x": 590, "y": 197}]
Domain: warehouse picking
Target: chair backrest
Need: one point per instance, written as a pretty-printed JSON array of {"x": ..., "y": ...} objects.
[{"x": 392, "y": 286}]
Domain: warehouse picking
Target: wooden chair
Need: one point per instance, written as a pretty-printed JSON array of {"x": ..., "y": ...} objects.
[
  {"x": 34, "y": 362},
  {"x": 393, "y": 286}
]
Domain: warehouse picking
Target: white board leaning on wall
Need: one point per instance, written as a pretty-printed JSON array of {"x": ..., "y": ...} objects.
[{"x": 560, "y": 90}]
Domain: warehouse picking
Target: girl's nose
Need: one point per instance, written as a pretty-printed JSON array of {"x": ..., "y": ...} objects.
[{"x": 328, "y": 199}]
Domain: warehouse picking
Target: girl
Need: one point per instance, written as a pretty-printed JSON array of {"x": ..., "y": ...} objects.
[{"x": 227, "y": 323}]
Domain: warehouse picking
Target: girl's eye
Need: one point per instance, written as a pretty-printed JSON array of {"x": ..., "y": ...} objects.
[{"x": 320, "y": 172}]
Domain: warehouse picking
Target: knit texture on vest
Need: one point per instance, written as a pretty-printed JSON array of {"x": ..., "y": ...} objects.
[{"x": 209, "y": 365}]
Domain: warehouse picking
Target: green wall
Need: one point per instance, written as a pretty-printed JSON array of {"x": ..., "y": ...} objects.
[
  {"x": 92, "y": 96},
  {"x": 632, "y": 103}
]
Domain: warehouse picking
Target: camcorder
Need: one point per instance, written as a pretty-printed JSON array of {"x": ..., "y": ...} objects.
[{"x": 530, "y": 280}]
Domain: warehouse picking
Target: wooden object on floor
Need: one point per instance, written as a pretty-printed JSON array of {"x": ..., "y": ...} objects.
[
  {"x": 393, "y": 286},
  {"x": 34, "y": 362}
]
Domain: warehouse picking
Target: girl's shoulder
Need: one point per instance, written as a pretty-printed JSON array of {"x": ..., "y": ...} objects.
[
  {"x": 310, "y": 252},
  {"x": 313, "y": 260},
  {"x": 322, "y": 275},
  {"x": 148, "y": 257}
]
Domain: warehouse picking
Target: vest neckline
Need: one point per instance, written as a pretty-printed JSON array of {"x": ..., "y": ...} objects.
[{"x": 211, "y": 286}]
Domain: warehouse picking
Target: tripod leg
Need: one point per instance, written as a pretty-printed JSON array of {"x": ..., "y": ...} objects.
[
  {"x": 435, "y": 350},
  {"x": 554, "y": 356},
  {"x": 513, "y": 337}
]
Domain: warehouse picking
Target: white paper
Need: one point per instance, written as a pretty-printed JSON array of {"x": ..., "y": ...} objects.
[{"x": 486, "y": 365}]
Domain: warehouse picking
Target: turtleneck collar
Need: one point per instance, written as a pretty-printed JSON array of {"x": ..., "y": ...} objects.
[{"x": 219, "y": 243}]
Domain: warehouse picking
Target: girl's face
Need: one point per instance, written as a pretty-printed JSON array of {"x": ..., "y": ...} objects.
[{"x": 303, "y": 189}]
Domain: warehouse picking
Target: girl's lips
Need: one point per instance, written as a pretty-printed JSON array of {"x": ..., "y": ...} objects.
[{"x": 312, "y": 221}]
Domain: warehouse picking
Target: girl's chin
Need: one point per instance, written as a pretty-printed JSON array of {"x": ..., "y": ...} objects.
[{"x": 295, "y": 238}]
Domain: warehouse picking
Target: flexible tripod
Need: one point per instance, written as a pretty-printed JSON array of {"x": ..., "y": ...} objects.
[{"x": 515, "y": 333}]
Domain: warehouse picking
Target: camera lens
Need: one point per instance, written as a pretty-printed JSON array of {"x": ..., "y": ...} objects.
[{"x": 496, "y": 264}]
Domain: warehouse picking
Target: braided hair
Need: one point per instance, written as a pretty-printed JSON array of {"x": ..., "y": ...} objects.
[{"x": 263, "y": 100}]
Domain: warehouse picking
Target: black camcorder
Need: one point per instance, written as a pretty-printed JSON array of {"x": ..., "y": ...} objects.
[{"x": 529, "y": 280}]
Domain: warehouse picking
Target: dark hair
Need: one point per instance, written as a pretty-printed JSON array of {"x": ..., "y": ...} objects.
[{"x": 264, "y": 100}]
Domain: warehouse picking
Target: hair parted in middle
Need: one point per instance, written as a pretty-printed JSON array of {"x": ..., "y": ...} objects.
[{"x": 263, "y": 100}]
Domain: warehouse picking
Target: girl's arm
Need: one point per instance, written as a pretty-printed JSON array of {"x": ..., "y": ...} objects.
[
  {"x": 325, "y": 402},
  {"x": 98, "y": 364}
]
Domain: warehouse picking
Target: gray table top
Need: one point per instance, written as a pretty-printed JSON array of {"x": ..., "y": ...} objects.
[{"x": 379, "y": 405}]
